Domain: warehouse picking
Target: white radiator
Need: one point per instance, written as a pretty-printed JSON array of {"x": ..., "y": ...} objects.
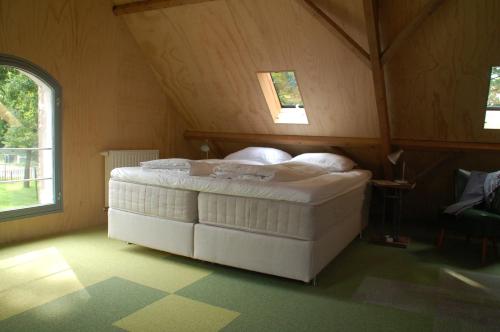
[{"x": 123, "y": 158}]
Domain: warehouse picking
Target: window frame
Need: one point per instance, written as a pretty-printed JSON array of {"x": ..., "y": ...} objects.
[
  {"x": 272, "y": 99},
  {"x": 41, "y": 74},
  {"x": 490, "y": 108}
]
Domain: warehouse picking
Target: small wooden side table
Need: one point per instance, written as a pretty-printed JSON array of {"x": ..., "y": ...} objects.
[{"x": 393, "y": 190}]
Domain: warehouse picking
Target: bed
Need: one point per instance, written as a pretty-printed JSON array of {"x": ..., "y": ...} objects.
[{"x": 291, "y": 229}]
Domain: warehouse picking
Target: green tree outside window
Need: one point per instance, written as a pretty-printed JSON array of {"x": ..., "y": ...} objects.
[
  {"x": 19, "y": 121},
  {"x": 287, "y": 89},
  {"x": 494, "y": 93}
]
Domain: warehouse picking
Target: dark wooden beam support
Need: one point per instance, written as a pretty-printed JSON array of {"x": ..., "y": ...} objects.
[
  {"x": 371, "y": 18},
  {"x": 405, "y": 34},
  {"x": 146, "y": 5},
  {"x": 283, "y": 139},
  {"x": 330, "y": 24},
  {"x": 438, "y": 162}
]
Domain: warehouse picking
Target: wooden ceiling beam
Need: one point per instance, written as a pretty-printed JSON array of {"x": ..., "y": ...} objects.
[
  {"x": 371, "y": 18},
  {"x": 146, "y": 5},
  {"x": 283, "y": 139},
  {"x": 330, "y": 24},
  {"x": 405, "y": 34}
]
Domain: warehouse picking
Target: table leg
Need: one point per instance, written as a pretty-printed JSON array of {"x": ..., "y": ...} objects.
[
  {"x": 384, "y": 207},
  {"x": 399, "y": 207}
]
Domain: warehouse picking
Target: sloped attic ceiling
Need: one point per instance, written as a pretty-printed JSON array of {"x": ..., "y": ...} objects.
[{"x": 207, "y": 55}]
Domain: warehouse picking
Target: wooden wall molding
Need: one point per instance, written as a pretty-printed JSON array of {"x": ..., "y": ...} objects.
[
  {"x": 403, "y": 36},
  {"x": 283, "y": 139},
  {"x": 338, "y": 142},
  {"x": 426, "y": 145},
  {"x": 142, "y": 6},
  {"x": 331, "y": 25}
]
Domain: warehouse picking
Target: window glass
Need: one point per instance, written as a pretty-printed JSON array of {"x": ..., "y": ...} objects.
[
  {"x": 287, "y": 89},
  {"x": 494, "y": 92},
  {"x": 492, "y": 117}
]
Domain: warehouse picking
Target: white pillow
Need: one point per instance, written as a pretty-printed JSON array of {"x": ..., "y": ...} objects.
[
  {"x": 329, "y": 161},
  {"x": 264, "y": 155}
]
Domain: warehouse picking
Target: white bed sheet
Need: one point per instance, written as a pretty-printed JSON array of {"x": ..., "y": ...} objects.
[{"x": 314, "y": 190}]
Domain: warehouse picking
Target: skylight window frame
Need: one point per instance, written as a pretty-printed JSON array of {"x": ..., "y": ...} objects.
[
  {"x": 490, "y": 108},
  {"x": 273, "y": 101}
]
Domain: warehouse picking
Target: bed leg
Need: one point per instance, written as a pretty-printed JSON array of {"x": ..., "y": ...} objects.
[
  {"x": 313, "y": 282},
  {"x": 129, "y": 243}
]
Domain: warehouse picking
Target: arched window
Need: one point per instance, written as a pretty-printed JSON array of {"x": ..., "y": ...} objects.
[{"x": 30, "y": 145}]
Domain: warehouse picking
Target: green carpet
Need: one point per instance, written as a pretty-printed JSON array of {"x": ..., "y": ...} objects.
[
  {"x": 93, "y": 308},
  {"x": 86, "y": 282}
]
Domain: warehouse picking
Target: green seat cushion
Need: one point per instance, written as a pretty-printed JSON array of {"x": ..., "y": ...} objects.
[
  {"x": 479, "y": 215},
  {"x": 480, "y": 222}
]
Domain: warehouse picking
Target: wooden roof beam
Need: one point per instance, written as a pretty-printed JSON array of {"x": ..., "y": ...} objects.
[
  {"x": 424, "y": 13},
  {"x": 330, "y": 24},
  {"x": 371, "y": 18},
  {"x": 146, "y": 5},
  {"x": 283, "y": 139}
]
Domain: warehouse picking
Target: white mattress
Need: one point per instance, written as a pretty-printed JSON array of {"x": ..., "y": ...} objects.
[
  {"x": 280, "y": 218},
  {"x": 314, "y": 190},
  {"x": 281, "y": 256},
  {"x": 154, "y": 201}
]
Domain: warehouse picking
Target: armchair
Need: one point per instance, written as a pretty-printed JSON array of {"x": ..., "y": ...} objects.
[{"x": 480, "y": 221}]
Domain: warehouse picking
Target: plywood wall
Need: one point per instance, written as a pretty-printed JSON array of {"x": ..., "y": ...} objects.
[
  {"x": 438, "y": 80},
  {"x": 207, "y": 55},
  {"x": 111, "y": 99}
]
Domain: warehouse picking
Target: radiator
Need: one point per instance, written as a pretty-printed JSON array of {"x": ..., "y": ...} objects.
[{"x": 123, "y": 158}]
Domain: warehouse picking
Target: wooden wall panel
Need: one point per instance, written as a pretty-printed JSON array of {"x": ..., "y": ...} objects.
[
  {"x": 111, "y": 99},
  {"x": 207, "y": 55},
  {"x": 438, "y": 80}
]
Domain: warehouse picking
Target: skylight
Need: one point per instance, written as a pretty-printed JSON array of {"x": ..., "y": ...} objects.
[
  {"x": 492, "y": 118},
  {"x": 283, "y": 97}
]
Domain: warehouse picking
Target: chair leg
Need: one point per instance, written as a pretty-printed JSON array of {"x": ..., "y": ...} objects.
[
  {"x": 485, "y": 250},
  {"x": 440, "y": 239}
]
